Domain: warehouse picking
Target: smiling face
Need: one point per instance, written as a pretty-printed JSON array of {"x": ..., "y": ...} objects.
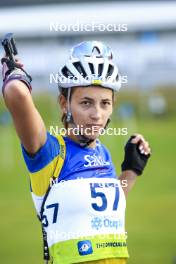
[{"x": 91, "y": 107}]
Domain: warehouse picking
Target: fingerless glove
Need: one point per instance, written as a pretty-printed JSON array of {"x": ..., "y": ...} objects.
[
  {"x": 134, "y": 160},
  {"x": 11, "y": 71}
]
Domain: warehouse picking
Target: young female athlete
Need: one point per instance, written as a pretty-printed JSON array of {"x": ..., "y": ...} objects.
[{"x": 77, "y": 194}]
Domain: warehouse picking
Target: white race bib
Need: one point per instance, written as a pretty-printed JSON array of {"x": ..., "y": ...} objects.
[{"x": 84, "y": 207}]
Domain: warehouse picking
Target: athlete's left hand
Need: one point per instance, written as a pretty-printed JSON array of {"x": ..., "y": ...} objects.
[{"x": 137, "y": 153}]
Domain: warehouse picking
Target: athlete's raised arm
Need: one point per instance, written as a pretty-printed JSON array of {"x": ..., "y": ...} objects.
[{"x": 27, "y": 120}]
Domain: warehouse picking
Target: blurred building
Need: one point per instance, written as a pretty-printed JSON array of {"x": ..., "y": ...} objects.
[{"x": 141, "y": 34}]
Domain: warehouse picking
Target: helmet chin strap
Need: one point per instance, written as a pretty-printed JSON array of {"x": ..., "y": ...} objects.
[{"x": 83, "y": 140}]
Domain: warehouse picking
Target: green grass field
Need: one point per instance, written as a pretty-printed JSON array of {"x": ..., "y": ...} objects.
[{"x": 151, "y": 206}]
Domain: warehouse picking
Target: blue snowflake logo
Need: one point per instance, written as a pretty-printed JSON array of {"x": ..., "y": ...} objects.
[{"x": 96, "y": 223}]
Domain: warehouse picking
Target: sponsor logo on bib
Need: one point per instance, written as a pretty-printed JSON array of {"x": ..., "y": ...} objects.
[
  {"x": 85, "y": 247},
  {"x": 99, "y": 222}
]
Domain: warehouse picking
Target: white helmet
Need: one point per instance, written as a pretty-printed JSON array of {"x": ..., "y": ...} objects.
[{"x": 90, "y": 63}]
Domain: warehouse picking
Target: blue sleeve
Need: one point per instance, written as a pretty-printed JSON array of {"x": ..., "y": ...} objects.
[{"x": 44, "y": 156}]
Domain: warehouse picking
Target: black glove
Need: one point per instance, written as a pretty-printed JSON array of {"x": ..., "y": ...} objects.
[
  {"x": 133, "y": 159},
  {"x": 11, "y": 71}
]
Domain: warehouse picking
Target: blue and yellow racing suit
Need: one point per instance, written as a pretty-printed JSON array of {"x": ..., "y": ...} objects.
[{"x": 84, "y": 213}]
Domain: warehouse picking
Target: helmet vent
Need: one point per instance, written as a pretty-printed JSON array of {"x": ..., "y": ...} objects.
[
  {"x": 67, "y": 73},
  {"x": 80, "y": 68},
  {"x": 91, "y": 68},
  {"x": 100, "y": 69},
  {"x": 110, "y": 70},
  {"x": 96, "y": 52}
]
